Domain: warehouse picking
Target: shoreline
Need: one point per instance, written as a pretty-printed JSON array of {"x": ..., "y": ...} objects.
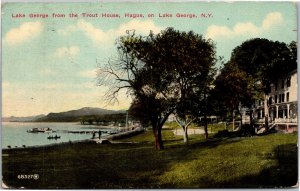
[
  {"x": 48, "y": 145},
  {"x": 120, "y": 135}
]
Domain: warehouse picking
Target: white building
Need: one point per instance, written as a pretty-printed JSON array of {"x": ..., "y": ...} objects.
[{"x": 282, "y": 102}]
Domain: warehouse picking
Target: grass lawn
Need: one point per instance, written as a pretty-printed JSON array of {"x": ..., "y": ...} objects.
[
  {"x": 210, "y": 127},
  {"x": 262, "y": 161}
]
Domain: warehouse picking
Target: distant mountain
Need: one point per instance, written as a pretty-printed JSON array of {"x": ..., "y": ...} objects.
[
  {"x": 76, "y": 115},
  {"x": 22, "y": 119}
]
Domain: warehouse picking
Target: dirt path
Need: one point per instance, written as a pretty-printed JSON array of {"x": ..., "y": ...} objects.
[{"x": 190, "y": 131}]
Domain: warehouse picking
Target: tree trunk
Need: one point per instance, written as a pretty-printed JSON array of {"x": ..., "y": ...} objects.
[
  {"x": 251, "y": 118},
  {"x": 158, "y": 138},
  {"x": 241, "y": 118},
  {"x": 252, "y": 128},
  {"x": 185, "y": 134},
  {"x": 184, "y": 125},
  {"x": 205, "y": 126},
  {"x": 233, "y": 121},
  {"x": 157, "y": 124},
  {"x": 266, "y": 110}
]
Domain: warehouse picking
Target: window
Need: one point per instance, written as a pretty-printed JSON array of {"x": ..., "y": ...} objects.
[
  {"x": 288, "y": 82},
  {"x": 282, "y": 97},
  {"x": 276, "y": 85},
  {"x": 288, "y": 96},
  {"x": 282, "y": 84},
  {"x": 275, "y": 98},
  {"x": 270, "y": 100}
]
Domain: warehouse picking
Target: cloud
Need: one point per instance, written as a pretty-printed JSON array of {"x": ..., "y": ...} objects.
[
  {"x": 67, "y": 30},
  {"x": 47, "y": 72},
  {"x": 69, "y": 52},
  {"x": 271, "y": 20},
  {"x": 89, "y": 73},
  {"x": 46, "y": 86},
  {"x": 37, "y": 98},
  {"x": 5, "y": 84},
  {"x": 23, "y": 33},
  {"x": 99, "y": 36}
]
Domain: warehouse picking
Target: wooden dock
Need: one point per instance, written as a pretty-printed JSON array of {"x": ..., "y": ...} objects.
[{"x": 81, "y": 132}]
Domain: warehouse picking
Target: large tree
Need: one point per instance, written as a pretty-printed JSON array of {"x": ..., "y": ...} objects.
[
  {"x": 189, "y": 60},
  {"x": 193, "y": 69},
  {"x": 149, "y": 83},
  {"x": 233, "y": 89},
  {"x": 264, "y": 61},
  {"x": 160, "y": 71}
]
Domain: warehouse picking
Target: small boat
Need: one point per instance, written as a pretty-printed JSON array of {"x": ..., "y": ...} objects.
[
  {"x": 53, "y": 137},
  {"x": 40, "y": 130}
]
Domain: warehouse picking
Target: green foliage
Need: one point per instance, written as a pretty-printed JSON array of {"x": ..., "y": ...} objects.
[
  {"x": 265, "y": 61},
  {"x": 172, "y": 125},
  {"x": 176, "y": 68},
  {"x": 293, "y": 54},
  {"x": 253, "y": 66},
  {"x": 163, "y": 72},
  {"x": 233, "y": 88}
]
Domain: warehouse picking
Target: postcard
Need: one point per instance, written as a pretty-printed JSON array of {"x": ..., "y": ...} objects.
[{"x": 148, "y": 95}]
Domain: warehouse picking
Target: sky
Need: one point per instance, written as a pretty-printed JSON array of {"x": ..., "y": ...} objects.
[{"x": 49, "y": 64}]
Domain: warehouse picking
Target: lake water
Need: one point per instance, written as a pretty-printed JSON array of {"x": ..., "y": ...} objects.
[{"x": 15, "y": 134}]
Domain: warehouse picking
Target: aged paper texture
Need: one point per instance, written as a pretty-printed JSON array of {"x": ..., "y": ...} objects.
[{"x": 161, "y": 94}]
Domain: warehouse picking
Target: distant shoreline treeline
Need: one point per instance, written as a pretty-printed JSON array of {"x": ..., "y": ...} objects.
[
  {"x": 87, "y": 115},
  {"x": 88, "y": 119}
]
